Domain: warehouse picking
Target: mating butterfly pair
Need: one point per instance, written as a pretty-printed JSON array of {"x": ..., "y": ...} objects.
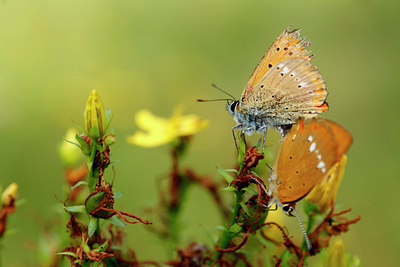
[{"x": 285, "y": 92}]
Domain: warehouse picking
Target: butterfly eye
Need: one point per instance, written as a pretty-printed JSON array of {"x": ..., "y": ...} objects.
[
  {"x": 287, "y": 209},
  {"x": 232, "y": 106}
]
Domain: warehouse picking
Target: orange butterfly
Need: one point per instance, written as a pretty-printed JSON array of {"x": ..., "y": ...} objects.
[
  {"x": 308, "y": 152},
  {"x": 284, "y": 87}
]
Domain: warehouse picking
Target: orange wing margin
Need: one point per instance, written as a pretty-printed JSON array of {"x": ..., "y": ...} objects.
[{"x": 342, "y": 136}]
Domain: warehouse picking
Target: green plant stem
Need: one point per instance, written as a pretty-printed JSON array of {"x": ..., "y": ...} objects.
[
  {"x": 98, "y": 226},
  {"x": 92, "y": 172},
  {"x": 227, "y": 235}
]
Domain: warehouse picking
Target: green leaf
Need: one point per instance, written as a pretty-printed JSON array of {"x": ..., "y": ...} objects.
[
  {"x": 94, "y": 132},
  {"x": 242, "y": 150},
  {"x": 93, "y": 222},
  {"x": 79, "y": 127},
  {"x": 226, "y": 176},
  {"x": 109, "y": 118},
  {"x": 117, "y": 222},
  {"x": 235, "y": 228},
  {"x": 73, "y": 143},
  {"x": 67, "y": 253},
  {"x": 310, "y": 208},
  {"x": 245, "y": 208},
  {"x": 262, "y": 240},
  {"x": 76, "y": 209},
  {"x": 102, "y": 247},
  {"x": 78, "y": 184},
  {"x": 117, "y": 195},
  {"x": 219, "y": 227},
  {"x": 250, "y": 190},
  {"x": 232, "y": 170},
  {"x": 254, "y": 173},
  {"x": 83, "y": 145},
  {"x": 229, "y": 189}
]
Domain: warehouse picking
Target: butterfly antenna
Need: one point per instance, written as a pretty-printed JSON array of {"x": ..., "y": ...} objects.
[
  {"x": 211, "y": 100},
  {"x": 260, "y": 184},
  {"x": 269, "y": 167},
  {"x": 309, "y": 246},
  {"x": 223, "y": 91}
]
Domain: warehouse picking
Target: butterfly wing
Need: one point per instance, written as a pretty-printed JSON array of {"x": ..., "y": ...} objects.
[
  {"x": 308, "y": 152},
  {"x": 292, "y": 89},
  {"x": 343, "y": 137},
  {"x": 287, "y": 45}
]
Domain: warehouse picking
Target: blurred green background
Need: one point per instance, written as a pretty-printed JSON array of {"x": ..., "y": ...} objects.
[{"x": 162, "y": 54}]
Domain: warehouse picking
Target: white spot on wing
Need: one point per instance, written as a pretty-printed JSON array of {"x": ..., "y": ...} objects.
[
  {"x": 303, "y": 84},
  {"x": 319, "y": 157},
  {"x": 312, "y": 146},
  {"x": 294, "y": 136},
  {"x": 285, "y": 69},
  {"x": 310, "y": 138},
  {"x": 321, "y": 164},
  {"x": 323, "y": 170}
]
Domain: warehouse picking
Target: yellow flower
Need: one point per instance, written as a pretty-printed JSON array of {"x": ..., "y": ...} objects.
[
  {"x": 70, "y": 154},
  {"x": 159, "y": 131},
  {"x": 336, "y": 254},
  {"x": 95, "y": 119},
  {"x": 324, "y": 193},
  {"x": 10, "y": 194},
  {"x": 272, "y": 231}
]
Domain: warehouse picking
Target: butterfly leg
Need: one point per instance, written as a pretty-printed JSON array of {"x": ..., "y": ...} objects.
[
  {"x": 273, "y": 209},
  {"x": 264, "y": 129},
  {"x": 239, "y": 126},
  {"x": 243, "y": 136}
]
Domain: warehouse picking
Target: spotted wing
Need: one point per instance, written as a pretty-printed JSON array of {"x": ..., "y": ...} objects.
[
  {"x": 292, "y": 89},
  {"x": 287, "y": 45},
  {"x": 307, "y": 153}
]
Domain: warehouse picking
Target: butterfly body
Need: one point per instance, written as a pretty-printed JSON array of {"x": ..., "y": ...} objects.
[{"x": 284, "y": 87}]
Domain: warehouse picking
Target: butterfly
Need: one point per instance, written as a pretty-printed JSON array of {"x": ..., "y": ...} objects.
[
  {"x": 309, "y": 151},
  {"x": 284, "y": 87}
]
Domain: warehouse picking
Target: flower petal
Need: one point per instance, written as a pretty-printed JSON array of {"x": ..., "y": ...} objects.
[{"x": 324, "y": 193}]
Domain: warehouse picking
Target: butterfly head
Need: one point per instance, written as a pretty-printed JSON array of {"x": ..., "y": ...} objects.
[
  {"x": 287, "y": 209},
  {"x": 232, "y": 106}
]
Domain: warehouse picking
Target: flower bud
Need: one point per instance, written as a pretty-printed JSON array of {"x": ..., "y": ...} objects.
[
  {"x": 10, "y": 194},
  {"x": 109, "y": 140},
  {"x": 95, "y": 119},
  {"x": 99, "y": 199},
  {"x": 336, "y": 254}
]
